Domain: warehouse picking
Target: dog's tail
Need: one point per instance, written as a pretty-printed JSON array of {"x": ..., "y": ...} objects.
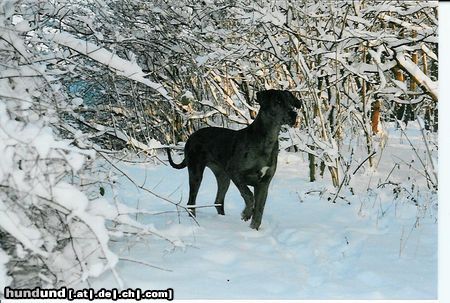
[{"x": 182, "y": 165}]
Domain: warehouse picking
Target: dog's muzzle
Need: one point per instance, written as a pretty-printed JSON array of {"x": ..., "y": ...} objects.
[{"x": 292, "y": 118}]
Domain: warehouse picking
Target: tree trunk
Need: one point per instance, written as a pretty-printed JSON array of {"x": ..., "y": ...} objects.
[
  {"x": 376, "y": 108},
  {"x": 312, "y": 166}
]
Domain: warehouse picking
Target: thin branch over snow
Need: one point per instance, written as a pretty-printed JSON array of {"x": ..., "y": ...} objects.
[{"x": 122, "y": 67}]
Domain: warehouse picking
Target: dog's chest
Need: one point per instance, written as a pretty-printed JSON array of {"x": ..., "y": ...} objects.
[
  {"x": 264, "y": 171},
  {"x": 258, "y": 167}
]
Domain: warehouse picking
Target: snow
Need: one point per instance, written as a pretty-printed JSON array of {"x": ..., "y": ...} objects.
[
  {"x": 376, "y": 247},
  {"x": 12, "y": 38},
  {"x": 5, "y": 280},
  {"x": 65, "y": 194},
  {"x": 77, "y": 101},
  {"x": 75, "y": 160},
  {"x": 74, "y": 200},
  {"x": 12, "y": 224},
  {"x": 201, "y": 60}
]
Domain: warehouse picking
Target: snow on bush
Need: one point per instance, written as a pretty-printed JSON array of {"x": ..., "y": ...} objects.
[
  {"x": 48, "y": 234},
  {"x": 4, "y": 279},
  {"x": 45, "y": 217}
]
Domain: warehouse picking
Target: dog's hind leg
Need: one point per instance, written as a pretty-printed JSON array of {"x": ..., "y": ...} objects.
[
  {"x": 223, "y": 182},
  {"x": 195, "y": 179},
  {"x": 248, "y": 197}
]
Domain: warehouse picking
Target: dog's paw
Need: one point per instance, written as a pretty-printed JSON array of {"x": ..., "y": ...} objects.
[
  {"x": 246, "y": 214},
  {"x": 255, "y": 225}
]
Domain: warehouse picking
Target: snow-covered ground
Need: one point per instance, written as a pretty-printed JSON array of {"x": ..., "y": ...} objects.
[{"x": 370, "y": 245}]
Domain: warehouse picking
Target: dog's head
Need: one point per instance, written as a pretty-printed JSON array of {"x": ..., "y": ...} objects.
[{"x": 280, "y": 105}]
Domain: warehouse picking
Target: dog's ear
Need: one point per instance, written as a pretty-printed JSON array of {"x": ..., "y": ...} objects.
[
  {"x": 293, "y": 100},
  {"x": 261, "y": 96}
]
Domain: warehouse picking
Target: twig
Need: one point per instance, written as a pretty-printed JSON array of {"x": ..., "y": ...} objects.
[
  {"x": 368, "y": 157},
  {"x": 144, "y": 188},
  {"x": 144, "y": 263}
]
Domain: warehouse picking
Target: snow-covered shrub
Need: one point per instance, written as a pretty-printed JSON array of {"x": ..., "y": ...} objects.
[{"x": 49, "y": 232}]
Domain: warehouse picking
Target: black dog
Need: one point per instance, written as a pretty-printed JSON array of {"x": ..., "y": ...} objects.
[{"x": 247, "y": 156}]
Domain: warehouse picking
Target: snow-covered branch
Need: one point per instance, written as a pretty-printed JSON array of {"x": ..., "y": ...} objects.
[
  {"x": 417, "y": 74},
  {"x": 120, "y": 66}
]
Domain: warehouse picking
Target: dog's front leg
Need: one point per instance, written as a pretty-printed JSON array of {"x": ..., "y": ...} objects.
[{"x": 260, "y": 200}]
